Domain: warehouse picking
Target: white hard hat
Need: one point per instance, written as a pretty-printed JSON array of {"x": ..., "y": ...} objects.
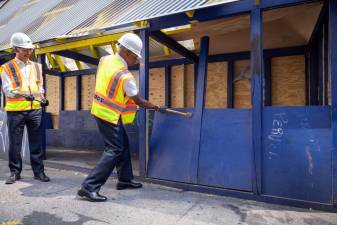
[
  {"x": 21, "y": 40},
  {"x": 132, "y": 42}
]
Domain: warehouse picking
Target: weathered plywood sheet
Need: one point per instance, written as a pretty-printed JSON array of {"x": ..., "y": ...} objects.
[
  {"x": 288, "y": 81},
  {"x": 177, "y": 86},
  {"x": 53, "y": 94},
  {"x": 157, "y": 86},
  {"x": 70, "y": 93},
  {"x": 242, "y": 84},
  {"x": 87, "y": 91},
  {"x": 216, "y": 90}
]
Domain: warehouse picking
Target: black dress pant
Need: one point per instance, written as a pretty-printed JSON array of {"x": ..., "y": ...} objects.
[
  {"x": 16, "y": 122},
  {"x": 116, "y": 154}
]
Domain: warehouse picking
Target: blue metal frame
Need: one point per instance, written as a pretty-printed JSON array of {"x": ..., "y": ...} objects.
[
  {"x": 268, "y": 4},
  {"x": 168, "y": 86},
  {"x": 78, "y": 56},
  {"x": 174, "y": 45},
  {"x": 313, "y": 73},
  {"x": 326, "y": 60},
  {"x": 320, "y": 64},
  {"x": 43, "y": 130},
  {"x": 307, "y": 75},
  {"x": 230, "y": 89},
  {"x": 257, "y": 91},
  {"x": 267, "y": 81},
  {"x": 61, "y": 93},
  {"x": 143, "y": 92},
  {"x": 78, "y": 92},
  {"x": 333, "y": 70}
]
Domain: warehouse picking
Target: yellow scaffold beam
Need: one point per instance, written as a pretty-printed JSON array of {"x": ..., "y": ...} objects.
[
  {"x": 60, "y": 63},
  {"x": 97, "y": 41},
  {"x": 79, "y": 65}
]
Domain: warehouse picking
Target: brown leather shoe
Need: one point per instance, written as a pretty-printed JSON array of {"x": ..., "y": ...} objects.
[{"x": 13, "y": 178}]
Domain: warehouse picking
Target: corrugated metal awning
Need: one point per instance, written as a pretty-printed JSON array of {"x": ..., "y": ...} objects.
[
  {"x": 44, "y": 20},
  {"x": 128, "y": 11}
]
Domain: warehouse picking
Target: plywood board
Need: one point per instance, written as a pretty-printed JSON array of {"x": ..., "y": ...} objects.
[
  {"x": 216, "y": 89},
  {"x": 288, "y": 81},
  {"x": 87, "y": 91},
  {"x": 177, "y": 86},
  {"x": 189, "y": 86},
  {"x": 55, "y": 121},
  {"x": 157, "y": 86},
  {"x": 70, "y": 93},
  {"x": 242, "y": 84},
  {"x": 53, "y": 94}
]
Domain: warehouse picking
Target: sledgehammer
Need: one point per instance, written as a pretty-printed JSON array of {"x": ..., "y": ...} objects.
[{"x": 171, "y": 111}]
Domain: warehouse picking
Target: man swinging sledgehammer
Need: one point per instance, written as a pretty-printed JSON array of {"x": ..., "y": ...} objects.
[{"x": 114, "y": 105}]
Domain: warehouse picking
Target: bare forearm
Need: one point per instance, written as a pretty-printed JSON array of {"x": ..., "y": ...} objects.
[{"x": 143, "y": 103}]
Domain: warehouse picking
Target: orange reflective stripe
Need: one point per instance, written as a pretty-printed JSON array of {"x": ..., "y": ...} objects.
[
  {"x": 18, "y": 71},
  {"x": 110, "y": 100},
  {"x": 10, "y": 75},
  {"x": 15, "y": 99},
  {"x": 103, "y": 103},
  {"x": 116, "y": 82}
]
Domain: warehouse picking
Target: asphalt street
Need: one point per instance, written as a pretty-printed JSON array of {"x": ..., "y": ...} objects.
[{"x": 31, "y": 202}]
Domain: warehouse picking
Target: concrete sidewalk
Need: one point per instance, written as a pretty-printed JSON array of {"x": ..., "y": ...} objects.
[{"x": 31, "y": 202}]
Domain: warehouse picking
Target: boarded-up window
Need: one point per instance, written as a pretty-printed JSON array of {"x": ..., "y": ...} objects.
[{"x": 288, "y": 81}]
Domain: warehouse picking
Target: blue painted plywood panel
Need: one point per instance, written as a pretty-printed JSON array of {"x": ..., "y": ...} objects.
[
  {"x": 173, "y": 153},
  {"x": 297, "y": 148},
  {"x": 226, "y": 158}
]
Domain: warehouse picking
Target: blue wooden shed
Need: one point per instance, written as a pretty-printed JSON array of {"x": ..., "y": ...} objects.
[{"x": 285, "y": 154}]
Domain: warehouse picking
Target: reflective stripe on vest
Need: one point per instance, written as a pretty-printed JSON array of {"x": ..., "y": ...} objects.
[
  {"x": 114, "y": 106},
  {"x": 110, "y": 102},
  {"x": 114, "y": 82},
  {"x": 14, "y": 74}
]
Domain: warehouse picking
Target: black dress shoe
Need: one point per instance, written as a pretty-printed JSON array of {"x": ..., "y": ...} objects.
[
  {"x": 128, "y": 185},
  {"x": 91, "y": 196},
  {"x": 12, "y": 178},
  {"x": 41, "y": 177}
]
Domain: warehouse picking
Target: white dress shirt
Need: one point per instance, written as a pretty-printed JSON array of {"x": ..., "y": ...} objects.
[{"x": 25, "y": 71}]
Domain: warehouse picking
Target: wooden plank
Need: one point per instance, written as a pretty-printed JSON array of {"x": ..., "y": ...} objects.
[
  {"x": 87, "y": 91},
  {"x": 70, "y": 93},
  {"x": 157, "y": 86},
  {"x": 288, "y": 81},
  {"x": 242, "y": 84},
  {"x": 189, "y": 86},
  {"x": 53, "y": 90},
  {"x": 216, "y": 94},
  {"x": 177, "y": 87}
]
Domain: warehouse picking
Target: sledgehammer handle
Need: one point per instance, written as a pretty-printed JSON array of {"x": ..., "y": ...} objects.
[{"x": 187, "y": 115}]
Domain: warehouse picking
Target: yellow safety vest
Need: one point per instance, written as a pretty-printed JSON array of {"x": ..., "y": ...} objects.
[
  {"x": 19, "y": 83},
  {"x": 110, "y": 101}
]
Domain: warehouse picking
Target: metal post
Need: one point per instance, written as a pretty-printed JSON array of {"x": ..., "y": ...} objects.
[
  {"x": 43, "y": 124},
  {"x": 78, "y": 92},
  {"x": 267, "y": 81},
  {"x": 143, "y": 91},
  {"x": 168, "y": 86},
  {"x": 333, "y": 71},
  {"x": 257, "y": 92},
  {"x": 61, "y": 93},
  {"x": 230, "y": 77}
]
